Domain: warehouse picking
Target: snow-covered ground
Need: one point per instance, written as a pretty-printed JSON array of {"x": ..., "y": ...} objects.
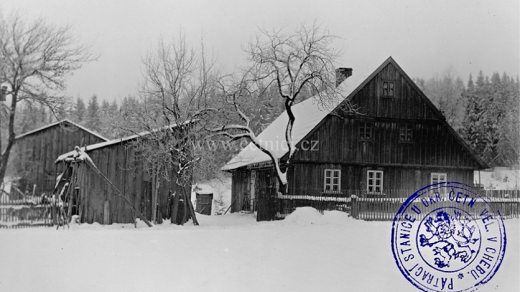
[{"x": 305, "y": 252}]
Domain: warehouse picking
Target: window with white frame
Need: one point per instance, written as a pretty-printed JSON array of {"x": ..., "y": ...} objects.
[
  {"x": 438, "y": 177},
  {"x": 332, "y": 181},
  {"x": 375, "y": 181}
]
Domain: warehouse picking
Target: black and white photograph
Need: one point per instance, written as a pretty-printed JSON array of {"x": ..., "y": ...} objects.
[{"x": 268, "y": 145}]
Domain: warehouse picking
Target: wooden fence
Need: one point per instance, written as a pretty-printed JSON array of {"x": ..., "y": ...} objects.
[
  {"x": 384, "y": 206},
  {"x": 323, "y": 202},
  {"x": 24, "y": 213}
]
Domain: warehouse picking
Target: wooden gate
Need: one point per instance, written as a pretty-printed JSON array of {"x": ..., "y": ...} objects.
[
  {"x": 204, "y": 203},
  {"x": 267, "y": 204}
]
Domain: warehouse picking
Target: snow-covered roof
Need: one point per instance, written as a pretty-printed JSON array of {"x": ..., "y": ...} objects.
[
  {"x": 308, "y": 114},
  {"x": 58, "y": 123},
  {"x": 95, "y": 146},
  {"x": 92, "y": 147}
]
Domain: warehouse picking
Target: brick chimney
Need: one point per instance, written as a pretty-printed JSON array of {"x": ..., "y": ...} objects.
[{"x": 342, "y": 74}]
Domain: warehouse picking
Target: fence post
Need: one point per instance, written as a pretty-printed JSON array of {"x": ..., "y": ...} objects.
[{"x": 354, "y": 206}]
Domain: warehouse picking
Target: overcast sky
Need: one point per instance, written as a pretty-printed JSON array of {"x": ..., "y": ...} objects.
[{"x": 424, "y": 37}]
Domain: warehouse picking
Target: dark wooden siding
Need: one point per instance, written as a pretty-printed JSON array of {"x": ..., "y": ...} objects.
[
  {"x": 34, "y": 154},
  {"x": 406, "y": 103},
  {"x": 266, "y": 182},
  {"x": 122, "y": 167},
  {"x": 338, "y": 141},
  {"x": 433, "y": 143},
  {"x": 240, "y": 188},
  {"x": 308, "y": 179}
]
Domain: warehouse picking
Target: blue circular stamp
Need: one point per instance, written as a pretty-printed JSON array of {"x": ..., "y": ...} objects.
[{"x": 446, "y": 237}]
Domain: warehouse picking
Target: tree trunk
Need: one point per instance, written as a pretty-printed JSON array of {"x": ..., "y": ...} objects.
[
  {"x": 190, "y": 209},
  {"x": 5, "y": 156},
  {"x": 156, "y": 198},
  {"x": 154, "y": 194},
  {"x": 175, "y": 207},
  {"x": 3, "y": 164},
  {"x": 11, "y": 137}
]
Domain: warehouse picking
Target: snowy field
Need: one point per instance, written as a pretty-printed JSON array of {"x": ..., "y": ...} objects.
[{"x": 305, "y": 252}]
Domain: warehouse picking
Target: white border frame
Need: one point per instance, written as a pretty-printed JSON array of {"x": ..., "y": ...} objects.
[{"x": 382, "y": 181}]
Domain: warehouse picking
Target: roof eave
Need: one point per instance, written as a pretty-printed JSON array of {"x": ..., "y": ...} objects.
[{"x": 56, "y": 124}]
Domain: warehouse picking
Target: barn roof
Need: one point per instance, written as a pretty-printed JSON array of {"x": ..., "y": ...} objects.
[
  {"x": 92, "y": 147},
  {"x": 57, "y": 124},
  {"x": 310, "y": 113}
]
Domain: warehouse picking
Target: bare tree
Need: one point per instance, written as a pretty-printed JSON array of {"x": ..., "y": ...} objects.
[
  {"x": 36, "y": 58},
  {"x": 178, "y": 81},
  {"x": 303, "y": 60}
]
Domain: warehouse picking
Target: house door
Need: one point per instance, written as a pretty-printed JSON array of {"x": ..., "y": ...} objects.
[{"x": 266, "y": 194}]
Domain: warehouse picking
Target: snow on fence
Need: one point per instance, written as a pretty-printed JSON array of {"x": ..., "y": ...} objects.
[
  {"x": 382, "y": 209},
  {"x": 339, "y": 201},
  {"x": 384, "y": 206},
  {"x": 24, "y": 213}
]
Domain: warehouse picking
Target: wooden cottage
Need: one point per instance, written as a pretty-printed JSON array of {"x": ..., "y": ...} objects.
[
  {"x": 397, "y": 140},
  {"x": 35, "y": 151},
  {"x": 120, "y": 162}
]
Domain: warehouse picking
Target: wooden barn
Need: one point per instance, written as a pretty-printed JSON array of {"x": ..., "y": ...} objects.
[
  {"x": 35, "y": 151},
  {"x": 120, "y": 162},
  {"x": 397, "y": 140}
]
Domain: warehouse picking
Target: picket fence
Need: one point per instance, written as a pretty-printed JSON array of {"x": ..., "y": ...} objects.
[
  {"x": 25, "y": 213},
  {"x": 383, "y": 207}
]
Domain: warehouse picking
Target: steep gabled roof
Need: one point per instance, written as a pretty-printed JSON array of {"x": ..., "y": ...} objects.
[
  {"x": 310, "y": 114},
  {"x": 58, "y": 123}
]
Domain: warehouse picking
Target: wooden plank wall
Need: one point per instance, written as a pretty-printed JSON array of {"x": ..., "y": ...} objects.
[
  {"x": 43, "y": 147},
  {"x": 338, "y": 140},
  {"x": 406, "y": 103},
  {"x": 336, "y": 144},
  {"x": 432, "y": 142},
  {"x": 307, "y": 179},
  {"x": 120, "y": 164},
  {"x": 239, "y": 188}
]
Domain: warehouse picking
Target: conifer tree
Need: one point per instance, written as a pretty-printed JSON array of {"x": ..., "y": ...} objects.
[
  {"x": 472, "y": 123},
  {"x": 491, "y": 119},
  {"x": 93, "y": 121},
  {"x": 446, "y": 93},
  {"x": 508, "y": 145},
  {"x": 80, "y": 109}
]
